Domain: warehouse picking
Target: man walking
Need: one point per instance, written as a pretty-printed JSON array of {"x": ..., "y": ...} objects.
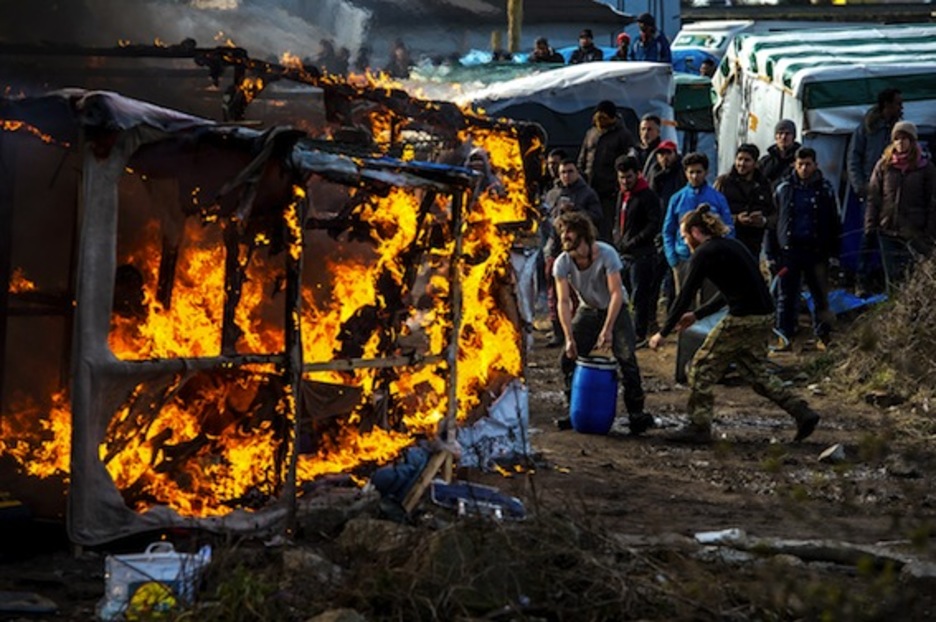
[
  {"x": 593, "y": 270},
  {"x": 739, "y": 339}
]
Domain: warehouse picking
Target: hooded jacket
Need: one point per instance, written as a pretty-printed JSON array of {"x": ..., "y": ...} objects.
[
  {"x": 747, "y": 195},
  {"x": 682, "y": 203},
  {"x": 583, "y": 198},
  {"x": 824, "y": 224},
  {"x": 600, "y": 148},
  {"x": 776, "y": 165}
]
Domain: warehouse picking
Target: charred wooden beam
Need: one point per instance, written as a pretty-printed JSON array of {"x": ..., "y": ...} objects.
[
  {"x": 233, "y": 285},
  {"x": 7, "y": 187},
  {"x": 167, "y": 267}
]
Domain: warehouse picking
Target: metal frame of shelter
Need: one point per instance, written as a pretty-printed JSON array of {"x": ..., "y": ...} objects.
[{"x": 108, "y": 130}]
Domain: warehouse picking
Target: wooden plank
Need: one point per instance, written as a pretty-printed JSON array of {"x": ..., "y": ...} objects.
[{"x": 425, "y": 478}]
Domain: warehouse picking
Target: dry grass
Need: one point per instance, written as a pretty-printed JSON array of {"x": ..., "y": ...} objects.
[{"x": 890, "y": 354}]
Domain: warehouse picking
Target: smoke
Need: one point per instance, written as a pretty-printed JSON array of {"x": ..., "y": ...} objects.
[{"x": 266, "y": 28}]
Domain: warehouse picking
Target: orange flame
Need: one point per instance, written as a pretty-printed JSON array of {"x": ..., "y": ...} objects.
[
  {"x": 22, "y": 126},
  {"x": 19, "y": 283},
  {"x": 216, "y": 440}
]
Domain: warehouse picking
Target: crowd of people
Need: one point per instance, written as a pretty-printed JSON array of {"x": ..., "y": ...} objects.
[
  {"x": 635, "y": 229},
  {"x": 652, "y": 46}
]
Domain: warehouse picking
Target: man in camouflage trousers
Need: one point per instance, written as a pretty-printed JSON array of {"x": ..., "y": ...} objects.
[{"x": 739, "y": 339}]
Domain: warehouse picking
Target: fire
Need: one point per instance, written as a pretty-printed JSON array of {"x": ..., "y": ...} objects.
[
  {"x": 38, "y": 437},
  {"x": 19, "y": 283},
  {"x": 213, "y": 444},
  {"x": 207, "y": 442},
  {"x": 21, "y": 126}
]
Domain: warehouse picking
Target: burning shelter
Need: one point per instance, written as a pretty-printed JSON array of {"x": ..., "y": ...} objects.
[{"x": 199, "y": 318}]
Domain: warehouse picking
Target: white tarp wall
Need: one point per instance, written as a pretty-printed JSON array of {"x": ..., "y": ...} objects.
[{"x": 643, "y": 87}]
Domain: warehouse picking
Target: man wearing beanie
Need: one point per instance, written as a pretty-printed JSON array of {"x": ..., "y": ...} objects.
[
  {"x": 749, "y": 197},
  {"x": 604, "y": 142},
  {"x": 651, "y": 46},
  {"x": 586, "y": 52},
  {"x": 778, "y": 162}
]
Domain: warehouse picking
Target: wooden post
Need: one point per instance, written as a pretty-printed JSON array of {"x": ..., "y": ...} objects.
[
  {"x": 449, "y": 425},
  {"x": 514, "y": 25},
  {"x": 292, "y": 369}
]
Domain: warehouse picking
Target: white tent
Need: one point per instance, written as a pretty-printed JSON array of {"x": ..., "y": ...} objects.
[
  {"x": 562, "y": 100},
  {"x": 824, "y": 81}
]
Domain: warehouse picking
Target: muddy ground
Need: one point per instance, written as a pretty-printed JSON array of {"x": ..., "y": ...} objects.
[{"x": 644, "y": 489}]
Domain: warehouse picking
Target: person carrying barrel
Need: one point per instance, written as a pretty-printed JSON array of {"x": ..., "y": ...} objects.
[
  {"x": 739, "y": 339},
  {"x": 601, "y": 322}
]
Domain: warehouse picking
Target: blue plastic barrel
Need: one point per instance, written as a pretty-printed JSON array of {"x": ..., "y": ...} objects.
[{"x": 593, "y": 404}]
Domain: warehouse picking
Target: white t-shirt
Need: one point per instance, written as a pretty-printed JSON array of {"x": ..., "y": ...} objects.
[{"x": 591, "y": 284}]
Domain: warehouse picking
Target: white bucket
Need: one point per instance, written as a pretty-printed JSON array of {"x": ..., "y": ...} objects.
[{"x": 157, "y": 580}]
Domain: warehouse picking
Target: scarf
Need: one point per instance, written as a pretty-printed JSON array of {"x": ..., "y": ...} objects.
[
  {"x": 901, "y": 161},
  {"x": 625, "y": 198}
]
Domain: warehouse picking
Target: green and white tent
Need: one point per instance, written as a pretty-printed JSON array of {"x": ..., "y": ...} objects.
[{"x": 825, "y": 81}]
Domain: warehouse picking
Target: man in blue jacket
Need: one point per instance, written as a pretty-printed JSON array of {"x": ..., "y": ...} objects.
[
  {"x": 692, "y": 195},
  {"x": 651, "y": 45}
]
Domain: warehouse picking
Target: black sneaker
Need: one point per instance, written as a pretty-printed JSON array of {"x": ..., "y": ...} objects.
[
  {"x": 564, "y": 423},
  {"x": 555, "y": 341},
  {"x": 805, "y": 425},
  {"x": 640, "y": 423},
  {"x": 692, "y": 434}
]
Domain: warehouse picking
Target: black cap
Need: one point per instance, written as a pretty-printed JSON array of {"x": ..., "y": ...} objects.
[
  {"x": 607, "y": 106},
  {"x": 646, "y": 18},
  {"x": 586, "y": 32}
]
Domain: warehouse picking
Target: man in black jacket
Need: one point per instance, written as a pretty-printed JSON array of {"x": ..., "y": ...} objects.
[
  {"x": 638, "y": 223},
  {"x": 586, "y": 52},
  {"x": 604, "y": 142},
  {"x": 749, "y": 197}
]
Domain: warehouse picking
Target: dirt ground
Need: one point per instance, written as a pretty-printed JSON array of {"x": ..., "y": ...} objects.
[{"x": 753, "y": 479}]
